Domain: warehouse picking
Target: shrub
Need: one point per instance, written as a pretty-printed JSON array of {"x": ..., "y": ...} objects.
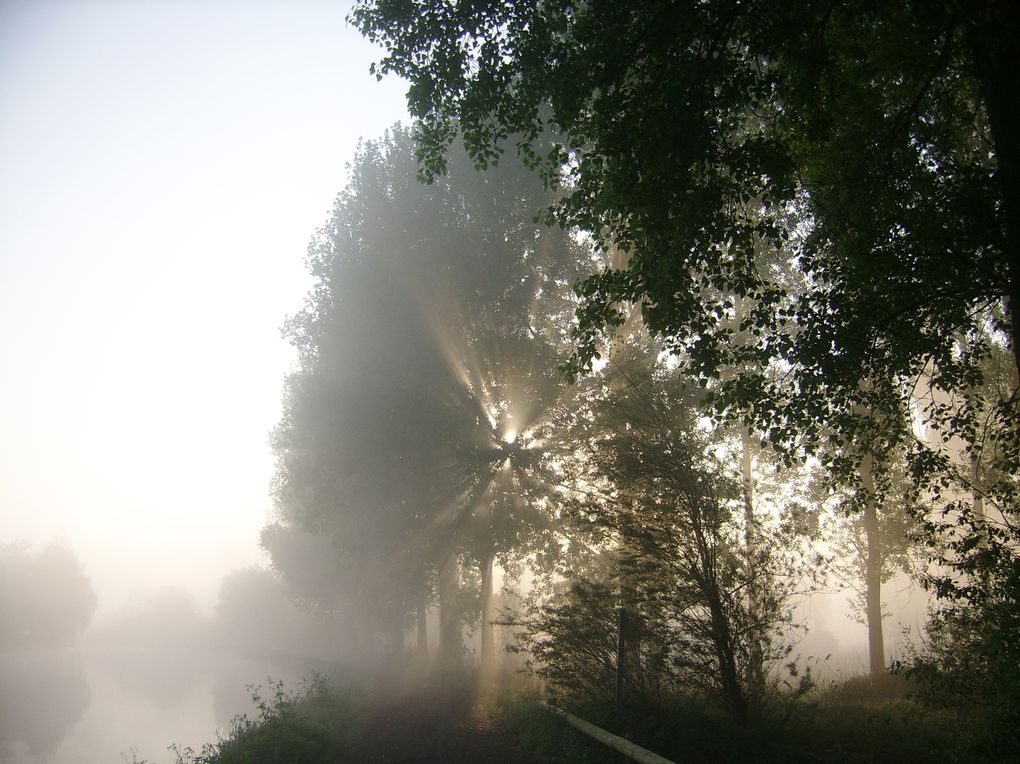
[{"x": 313, "y": 725}]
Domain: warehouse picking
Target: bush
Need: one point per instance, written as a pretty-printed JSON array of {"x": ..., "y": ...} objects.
[
  {"x": 541, "y": 731},
  {"x": 314, "y": 725},
  {"x": 860, "y": 722}
]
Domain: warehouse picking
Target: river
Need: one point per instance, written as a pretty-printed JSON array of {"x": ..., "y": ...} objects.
[{"x": 122, "y": 705}]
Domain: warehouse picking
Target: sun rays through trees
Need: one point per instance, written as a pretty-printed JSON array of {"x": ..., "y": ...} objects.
[{"x": 426, "y": 370}]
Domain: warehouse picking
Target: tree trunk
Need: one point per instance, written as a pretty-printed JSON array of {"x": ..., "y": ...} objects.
[
  {"x": 996, "y": 55},
  {"x": 630, "y": 676},
  {"x": 634, "y": 662},
  {"x": 729, "y": 674},
  {"x": 756, "y": 670},
  {"x": 450, "y": 644},
  {"x": 488, "y": 649},
  {"x": 872, "y": 569},
  {"x": 747, "y": 481},
  {"x": 706, "y": 577},
  {"x": 756, "y": 646},
  {"x": 423, "y": 625},
  {"x": 621, "y": 654}
]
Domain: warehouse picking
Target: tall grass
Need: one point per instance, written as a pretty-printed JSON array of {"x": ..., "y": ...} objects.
[
  {"x": 860, "y": 721},
  {"x": 317, "y": 723}
]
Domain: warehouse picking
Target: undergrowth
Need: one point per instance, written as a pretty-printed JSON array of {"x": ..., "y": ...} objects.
[
  {"x": 315, "y": 724},
  {"x": 858, "y": 721}
]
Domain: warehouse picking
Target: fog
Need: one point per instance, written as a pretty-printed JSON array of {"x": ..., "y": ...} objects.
[
  {"x": 272, "y": 406},
  {"x": 158, "y": 672},
  {"x": 164, "y": 166}
]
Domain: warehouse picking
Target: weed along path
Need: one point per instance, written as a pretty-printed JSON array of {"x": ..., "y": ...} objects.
[{"x": 435, "y": 726}]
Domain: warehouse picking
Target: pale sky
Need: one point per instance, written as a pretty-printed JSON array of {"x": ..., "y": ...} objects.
[{"x": 162, "y": 168}]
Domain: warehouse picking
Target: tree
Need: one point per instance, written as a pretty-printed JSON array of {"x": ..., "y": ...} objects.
[
  {"x": 45, "y": 596},
  {"x": 422, "y": 367},
  {"x": 256, "y": 615},
  {"x": 669, "y": 507},
  {"x": 310, "y": 568},
  {"x": 362, "y": 447},
  {"x": 673, "y": 115},
  {"x": 902, "y": 163},
  {"x": 872, "y": 532},
  {"x": 970, "y": 658},
  {"x": 169, "y": 618},
  {"x": 875, "y": 146}
]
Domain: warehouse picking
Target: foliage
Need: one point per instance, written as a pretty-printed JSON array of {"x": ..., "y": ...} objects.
[
  {"x": 848, "y": 728},
  {"x": 972, "y": 656},
  {"x": 309, "y": 567},
  {"x": 692, "y": 130},
  {"x": 571, "y": 640},
  {"x": 426, "y": 348},
  {"x": 255, "y": 614},
  {"x": 547, "y": 735},
  {"x": 45, "y": 596},
  {"x": 315, "y": 724},
  {"x": 669, "y": 523},
  {"x": 873, "y": 147}
]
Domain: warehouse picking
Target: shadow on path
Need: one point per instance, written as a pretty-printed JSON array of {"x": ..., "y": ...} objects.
[{"x": 435, "y": 725}]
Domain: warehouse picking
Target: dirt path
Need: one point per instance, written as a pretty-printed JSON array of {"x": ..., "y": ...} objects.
[{"x": 433, "y": 726}]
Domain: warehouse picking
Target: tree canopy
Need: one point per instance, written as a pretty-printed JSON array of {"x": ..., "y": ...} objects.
[
  {"x": 425, "y": 354},
  {"x": 816, "y": 207},
  {"x": 692, "y": 131}
]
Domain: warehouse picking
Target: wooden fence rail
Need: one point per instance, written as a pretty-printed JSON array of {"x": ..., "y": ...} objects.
[{"x": 631, "y": 750}]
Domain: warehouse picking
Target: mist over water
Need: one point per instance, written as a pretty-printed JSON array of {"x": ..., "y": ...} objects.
[
  {"x": 442, "y": 493},
  {"x": 146, "y": 677},
  {"x": 660, "y": 420},
  {"x": 166, "y": 672},
  {"x": 57, "y": 705},
  {"x": 440, "y": 490},
  {"x": 188, "y": 153}
]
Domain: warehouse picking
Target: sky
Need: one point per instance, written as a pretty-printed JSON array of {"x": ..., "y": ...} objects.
[{"x": 163, "y": 166}]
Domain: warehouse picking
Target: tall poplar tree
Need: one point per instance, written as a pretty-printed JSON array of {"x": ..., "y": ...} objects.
[{"x": 425, "y": 351}]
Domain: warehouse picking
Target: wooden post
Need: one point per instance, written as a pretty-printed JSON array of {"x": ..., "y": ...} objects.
[{"x": 621, "y": 654}]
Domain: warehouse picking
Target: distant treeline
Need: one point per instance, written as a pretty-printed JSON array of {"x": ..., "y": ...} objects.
[{"x": 45, "y": 597}]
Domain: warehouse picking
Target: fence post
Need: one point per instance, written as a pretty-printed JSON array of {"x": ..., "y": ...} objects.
[{"x": 621, "y": 654}]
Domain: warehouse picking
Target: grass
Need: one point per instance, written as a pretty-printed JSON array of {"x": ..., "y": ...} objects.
[
  {"x": 547, "y": 735},
  {"x": 316, "y": 724},
  {"x": 859, "y": 722}
]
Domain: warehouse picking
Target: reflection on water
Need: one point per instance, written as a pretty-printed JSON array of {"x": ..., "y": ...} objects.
[
  {"x": 166, "y": 679},
  {"x": 68, "y": 706},
  {"x": 42, "y": 697}
]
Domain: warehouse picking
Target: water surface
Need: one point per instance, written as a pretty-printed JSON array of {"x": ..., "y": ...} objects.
[{"x": 120, "y": 705}]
